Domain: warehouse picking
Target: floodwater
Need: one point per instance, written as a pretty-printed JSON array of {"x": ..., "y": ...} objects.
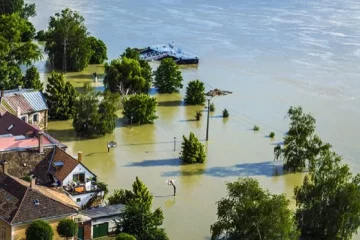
[{"x": 271, "y": 54}]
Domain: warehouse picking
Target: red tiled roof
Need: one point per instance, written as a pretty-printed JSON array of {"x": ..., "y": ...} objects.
[{"x": 69, "y": 164}]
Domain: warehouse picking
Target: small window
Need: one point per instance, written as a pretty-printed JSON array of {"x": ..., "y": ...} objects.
[
  {"x": 24, "y": 118},
  {"x": 78, "y": 200},
  {"x": 36, "y": 117},
  {"x": 79, "y": 178}
]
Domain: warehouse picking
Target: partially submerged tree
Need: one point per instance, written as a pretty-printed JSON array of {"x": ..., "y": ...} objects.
[
  {"x": 39, "y": 230},
  {"x": 192, "y": 150},
  {"x": 99, "y": 51},
  {"x": 32, "y": 79},
  {"x": 141, "y": 108},
  {"x": 249, "y": 212},
  {"x": 301, "y": 145},
  {"x": 195, "y": 93},
  {"x": 60, "y": 97},
  {"x": 168, "y": 77},
  {"x": 67, "y": 228},
  {"x": 328, "y": 202},
  {"x": 125, "y": 236}
]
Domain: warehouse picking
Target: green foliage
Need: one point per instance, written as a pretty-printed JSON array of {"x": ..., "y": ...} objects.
[
  {"x": 168, "y": 77},
  {"x": 39, "y": 230},
  {"x": 28, "y": 35},
  {"x": 249, "y": 212},
  {"x": 99, "y": 51},
  {"x": 139, "y": 193},
  {"x": 67, "y": 228},
  {"x": 212, "y": 107},
  {"x": 26, "y": 178},
  {"x": 225, "y": 113},
  {"x": 195, "y": 93},
  {"x": 40, "y": 36},
  {"x": 256, "y": 128},
  {"x": 127, "y": 75},
  {"x": 14, "y": 52},
  {"x": 138, "y": 218},
  {"x": 328, "y": 202},
  {"x": 8, "y": 7},
  {"x": 125, "y": 236},
  {"x": 32, "y": 79},
  {"x": 301, "y": 145},
  {"x": 141, "y": 107},
  {"x": 272, "y": 135},
  {"x": 131, "y": 53},
  {"x": 68, "y": 27},
  {"x": 198, "y": 115},
  {"x": 192, "y": 150},
  {"x": 95, "y": 115},
  {"x": 60, "y": 97},
  {"x": 104, "y": 187}
]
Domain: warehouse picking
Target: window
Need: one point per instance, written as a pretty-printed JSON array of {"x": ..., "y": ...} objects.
[
  {"x": 2, "y": 233},
  {"x": 24, "y": 118},
  {"x": 79, "y": 177},
  {"x": 36, "y": 117},
  {"x": 78, "y": 200}
]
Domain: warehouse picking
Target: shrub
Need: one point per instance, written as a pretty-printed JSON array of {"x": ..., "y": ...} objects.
[
  {"x": 67, "y": 228},
  {"x": 125, "y": 236},
  {"x": 225, "y": 113},
  {"x": 256, "y": 128},
  {"x": 103, "y": 186},
  {"x": 192, "y": 150},
  {"x": 272, "y": 135},
  {"x": 26, "y": 178},
  {"x": 198, "y": 115},
  {"x": 212, "y": 107},
  {"x": 141, "y": 107},
  {"x": 39, "y": 230},
  {"x": 195, "y": 93}
]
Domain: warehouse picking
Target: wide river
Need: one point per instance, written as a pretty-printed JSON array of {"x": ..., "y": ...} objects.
[{"x": 271, "y": 54}]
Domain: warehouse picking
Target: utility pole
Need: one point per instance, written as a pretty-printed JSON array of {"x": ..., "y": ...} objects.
[
  {"x": 208, "y": 117},
  {"x": 174, "y": 144},
  {"x": 64, "y": 55}
]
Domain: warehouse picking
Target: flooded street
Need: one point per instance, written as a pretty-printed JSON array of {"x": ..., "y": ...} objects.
[{"x": 270, "y": 55}]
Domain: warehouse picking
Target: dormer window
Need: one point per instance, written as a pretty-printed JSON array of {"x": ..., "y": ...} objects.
[
  {"x": 36, "y": 117},
  {"x": 24, "y": 118}
]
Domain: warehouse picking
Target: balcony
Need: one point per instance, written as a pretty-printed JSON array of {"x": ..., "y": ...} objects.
[{"x": 77, "y": 188}]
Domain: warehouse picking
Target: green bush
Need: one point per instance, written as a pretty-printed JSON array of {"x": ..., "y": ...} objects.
[
  {"x": 195, "y": 93},
  {"x": 212, "y": 107},
  {"x": 103, "y": 186},
  {"x": 141, "y": 107},
  {"x": 198, "y": 115},
  {"x": 225, "y": 113},
  {"x": 39, "y": 230},
  {"x": 272, "y": 135},
  {"x": 67, "y": 228},
  {"x": 192, "y": 150},
  {"x": 125, "y": 236},
  {"x": 26, "y": 178},
  {"x": 256, "y": 128}
]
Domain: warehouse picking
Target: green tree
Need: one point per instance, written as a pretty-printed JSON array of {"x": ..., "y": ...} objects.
[
  {"x": 67, "y": 228},
  {"x": 95, "y": 114},
  {"x": 249, "y": 212},
  {"x": 39, "y": 230},
  {"x": 32, "y": 79},
  {"x": 328, "y": 202},
  {"x": 60, "y": 97},
  {"x": 168, "y": 77},
  {"x": 67, "y": 35},
  {"x": 99, "y": 51},
  {"x": 125, "y": 236},
  {"x": 40, "y": 36},
  {"x": 14, "y": 52},
  {"x": 139, "y": 192},
  {"x": 138, "y": 218},
  {"x": 17, "y": 6},
  {"x": 141, "y": 108},
  {"x": 301, "y": 145},
  {"x": 192, "y": 150},
  {"x": 126, "y": 75},
  {"x": 104, "y": 187},
  {"x": 195, "y": 93}
]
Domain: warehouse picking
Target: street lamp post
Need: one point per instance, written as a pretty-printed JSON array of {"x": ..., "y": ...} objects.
[
  {"x": 174, "y": 144},
  {"x": 208, "y": 117},
  {"x": 131, "y": 118}
]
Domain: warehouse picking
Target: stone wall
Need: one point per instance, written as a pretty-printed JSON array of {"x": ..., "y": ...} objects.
[{"x": 43, "y": 119}]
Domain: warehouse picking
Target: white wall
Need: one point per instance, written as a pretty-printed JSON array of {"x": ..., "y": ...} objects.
[
  {"x": 78, "y": 169},
  {"x": 110, "y": 220},
  {"x": 84, "y": 198}
]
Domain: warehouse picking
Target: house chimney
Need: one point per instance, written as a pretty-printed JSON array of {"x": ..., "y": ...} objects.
[
  {"x": 18, "y": 112},
  {"x": 41, "y": 144},
  {"x": 19, "y": 88},
  {"x": 1, "y": 95},
  {"x": 80, "y": 156},
  {"x": 33, "y": 182},
  {"x": 5, "y": 167}
]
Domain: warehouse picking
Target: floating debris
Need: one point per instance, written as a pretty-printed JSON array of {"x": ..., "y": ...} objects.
[{"x": 217, "y": 92}]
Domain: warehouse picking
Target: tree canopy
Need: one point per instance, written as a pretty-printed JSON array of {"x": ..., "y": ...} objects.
[
  {"x": 192, "y": 150},
  {"x": 67, "y": 228},
  {"x": 138, "y": 218},
  {"x": 8, "y": 7},
  {"x": 195, "y": 93},
  {"x": 67, "y": 30},
  {"x": 98, "y": 50},
  {"x": 14, "y": 52},
  {"x": 39, "y": 230},
  {"x": 249, "y": 212},
  {"x": 125, "y": 236},
  {"x": 95, "y": 114},
  {"x": 168, "y": 77},
  {"x": 328, "y": 202},
  {"x": 126, "y": 75},
  {"x": 60, "y": 97},
  {"x": 301, "y": 144},
  {"x": 141, "y": 108},
  {"x": 32, "y": 79}
]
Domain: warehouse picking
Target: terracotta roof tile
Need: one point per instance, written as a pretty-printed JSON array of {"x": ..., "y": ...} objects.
[{"x": 69, "y": 164}]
